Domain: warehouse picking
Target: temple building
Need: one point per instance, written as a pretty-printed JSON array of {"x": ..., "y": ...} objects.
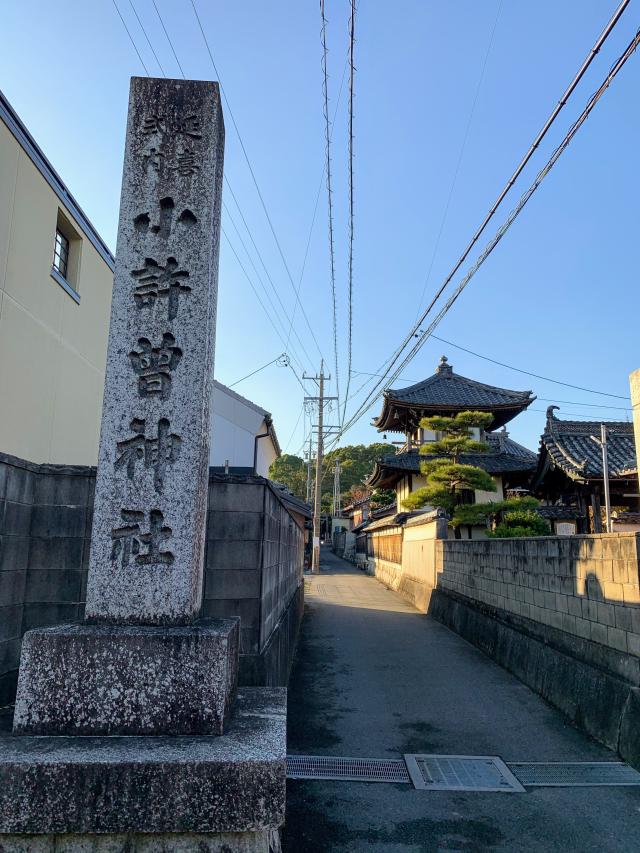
[
  {"x": 569, "y": 476},
  {"x": 446, "y": 393}
]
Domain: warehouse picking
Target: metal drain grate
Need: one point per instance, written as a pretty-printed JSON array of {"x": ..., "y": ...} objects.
[
  {"x": 574, "y": 774},
  {"x": 348, "y": 769},
  {"x": 461, "y": 773}
]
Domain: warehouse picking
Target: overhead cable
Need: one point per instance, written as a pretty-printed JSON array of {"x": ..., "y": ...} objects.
[
  {"x": 282, "y": 313},
  {"x": 327, "y": 131},
  {"x": 173, "y": 50},
  {"x": 463, "y": 146},
  {"x": 135, "y": 47},
  {"x": 529, "y": 154},
  {"x": 425, "y": 334},
  {"x": 282, "y": 359},
  {"x": 142, "y": 27},
  {"x": 529, "y": 373},
  {"x": 352, "y": 23},
  {"x": 254, "y": 179}
]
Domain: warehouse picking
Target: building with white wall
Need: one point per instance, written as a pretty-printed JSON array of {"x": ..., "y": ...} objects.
[{"x": 242, "y": 434}]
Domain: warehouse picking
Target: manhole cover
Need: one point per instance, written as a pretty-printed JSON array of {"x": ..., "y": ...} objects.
[
  {"x": 574, "y": 774},
  {"x": 348, "y": 769},
  {"x": 461, "y": 773}
]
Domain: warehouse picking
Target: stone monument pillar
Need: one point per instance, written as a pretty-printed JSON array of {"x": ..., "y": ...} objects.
[
  {"x": 142, "y": 664},
  {"x": 634, "y": 384}
]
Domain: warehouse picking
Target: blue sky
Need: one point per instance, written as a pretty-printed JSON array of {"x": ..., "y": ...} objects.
[{"x": 558, "y": 297}]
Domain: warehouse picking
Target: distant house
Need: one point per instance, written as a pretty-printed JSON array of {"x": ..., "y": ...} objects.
[
  {"x": 569, "y": 476},
  {"x": 446, "y": 393},
  {"x": 358, "y": 511},
  {"x": 243, "y": 438}
]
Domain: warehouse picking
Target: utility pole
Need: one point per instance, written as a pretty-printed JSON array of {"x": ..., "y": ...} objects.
[
  {"x": 605, "y": 474},
  {"x": 317, "y": 505},
  {"x": 309, "y": 471},
  {"x": 337, "y": 506},
  {"x": 602, "y": 442}
]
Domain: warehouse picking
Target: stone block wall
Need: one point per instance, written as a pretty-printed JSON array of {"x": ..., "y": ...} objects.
[
  {"x": 254, "y": 557},
  {"x": 253, "y": 562},
  {"x": 562, "y": 614},
  {"x": 586, "y": 586},
  {"x": 45, "y": 525}
]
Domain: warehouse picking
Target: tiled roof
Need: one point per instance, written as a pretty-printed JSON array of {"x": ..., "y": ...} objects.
[
  {"x": 447, "y": 391},
  {"x": 558, "y": 513},
  {"x": 505, "y": 456},
  {"x": 570, "y": 447}
]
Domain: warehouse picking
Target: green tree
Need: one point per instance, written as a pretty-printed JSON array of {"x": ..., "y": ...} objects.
[
  {"x": 291, "y": 471},
  {"x": 356, "y": 464},
  {"x": 356, "y": 461},
  {"x": 509, "y": 518},
  {"x": 445, "y": 474}
]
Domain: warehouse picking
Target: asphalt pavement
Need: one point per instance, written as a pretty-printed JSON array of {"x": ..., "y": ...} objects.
[{"x": 373, "y": 678}]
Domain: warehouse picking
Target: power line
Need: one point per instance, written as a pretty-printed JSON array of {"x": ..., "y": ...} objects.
[
  {"x": 544, "y": 399},
  {"x": 147, "y": 38},
  {"x": 282, "y": 359},
  {"x": 261, "y": 303},
  {"x": 286, "y": 447},
  {"x": 352, "y": 23},
  {"x": 229, "y": 185},
  {"x": 526, "y": 373},
  {"x": 424, "y": 335},
  {"x": 460, "y": 156},
  {"x": 255, "y": 181},
  {"x": 173, "y": 50},
  {"x": 225, "y": 178},
  {"x": 554, "y": 114},
  {"x": 276, "y": 312},
  {"x": 529, "y": 373},
  {"x": 325, "y": 105},
  {"x": 130, "y": 37}
]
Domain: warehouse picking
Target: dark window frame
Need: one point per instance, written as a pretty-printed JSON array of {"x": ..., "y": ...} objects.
[{"x": 61, "y": 250}]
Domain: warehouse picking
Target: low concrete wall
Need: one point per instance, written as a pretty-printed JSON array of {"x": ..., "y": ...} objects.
[
  {"x": 253, "y": 568},
  {"x": 562, "y": 614},
  {"x": 587, "y": 586},
  {"x": 414, "y": 577}
]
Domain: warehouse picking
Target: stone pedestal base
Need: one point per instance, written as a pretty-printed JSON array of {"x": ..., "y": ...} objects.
[
  {"x": 150, "y": 785},
  {"x": 127, "y": 680},
  {"x": 226, "y": 842}
]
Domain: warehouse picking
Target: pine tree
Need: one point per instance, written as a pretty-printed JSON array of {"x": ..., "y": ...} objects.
[{"x": 446, "y": 476}]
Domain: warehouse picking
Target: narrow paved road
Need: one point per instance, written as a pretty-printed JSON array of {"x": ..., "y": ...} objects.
[{"x": 375, "y": 678}]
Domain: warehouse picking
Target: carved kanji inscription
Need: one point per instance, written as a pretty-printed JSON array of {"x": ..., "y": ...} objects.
[
  {"x": 154, "y": 365},
  {"x": 130, "y": 544}
]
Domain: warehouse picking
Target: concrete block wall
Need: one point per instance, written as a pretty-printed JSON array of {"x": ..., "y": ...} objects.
[
  {"x": 562, "y": 614},
  {"x": 45, "y": 526},
  {"x": 253, "y": 562},
  {"x": 585, "y": 586},
  {"x": 234, "y": 555}
]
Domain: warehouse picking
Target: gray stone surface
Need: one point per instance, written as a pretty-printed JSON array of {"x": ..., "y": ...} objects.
[
  {"x": 149, "y": 521},
  {"x": 233, "y": 783},
  {"x": 224, "y": 842},
  {"x": 128, "y": 680}
]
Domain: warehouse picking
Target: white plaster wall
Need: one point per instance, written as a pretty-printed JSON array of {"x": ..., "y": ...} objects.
[{"x": 234, "y": 426}]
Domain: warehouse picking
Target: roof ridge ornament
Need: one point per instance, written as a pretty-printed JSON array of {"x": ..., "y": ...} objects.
[
  {"x": 444, "y": 367},
  {"x": 550, "y": 416}
]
